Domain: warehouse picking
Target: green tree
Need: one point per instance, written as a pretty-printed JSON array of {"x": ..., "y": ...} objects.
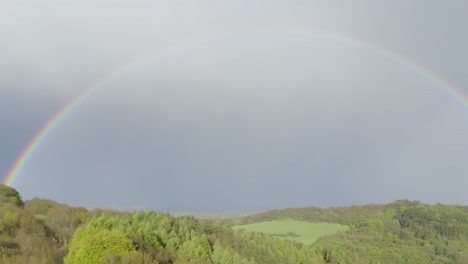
[
  {"x": 90, "y": 245},
  {"x": 10, "y": 195},
  {"x": 221, "y": 255}
]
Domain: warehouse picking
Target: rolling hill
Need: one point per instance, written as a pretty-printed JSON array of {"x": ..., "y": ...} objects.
[{"x": 44, "y": 231}]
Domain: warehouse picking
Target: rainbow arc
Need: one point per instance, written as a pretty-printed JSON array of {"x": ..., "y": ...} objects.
[{"x": 56, "y": 119}]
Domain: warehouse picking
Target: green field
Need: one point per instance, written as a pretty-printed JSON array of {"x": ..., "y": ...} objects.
[{"x": 299, "y": 231}]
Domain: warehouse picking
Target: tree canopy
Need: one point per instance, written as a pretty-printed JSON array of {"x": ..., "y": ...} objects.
[{"x": 44, "y": 231}]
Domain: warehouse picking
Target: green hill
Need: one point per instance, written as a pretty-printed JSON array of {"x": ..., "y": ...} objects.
[
  {"x": 44, "y": 231},
  {"x": 399, "y": 232}
]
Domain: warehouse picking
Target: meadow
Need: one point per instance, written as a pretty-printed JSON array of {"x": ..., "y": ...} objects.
[{"x": 300, "y": 231}]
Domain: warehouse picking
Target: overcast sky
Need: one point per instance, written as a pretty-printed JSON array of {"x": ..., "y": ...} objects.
[{"x": 236, "y": 105}]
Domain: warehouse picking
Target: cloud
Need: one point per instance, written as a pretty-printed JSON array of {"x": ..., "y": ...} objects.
[{"x": 247, "y": 119}]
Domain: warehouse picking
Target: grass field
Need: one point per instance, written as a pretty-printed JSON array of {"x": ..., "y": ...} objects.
[{"x": 299, "y": 231}]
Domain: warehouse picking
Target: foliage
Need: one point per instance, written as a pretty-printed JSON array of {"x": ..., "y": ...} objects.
[
  {"x": 10, "y": 195},
  {"x": 23, "y": 239},
  {"x": 90, "y": 245},
  {"x": 43, "y": 231},
  {"x": 400, "y": 232},
  {"x": 38, "y": 206}
]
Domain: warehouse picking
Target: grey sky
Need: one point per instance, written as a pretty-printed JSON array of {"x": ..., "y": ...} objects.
[{"x": 235, "y": 105}]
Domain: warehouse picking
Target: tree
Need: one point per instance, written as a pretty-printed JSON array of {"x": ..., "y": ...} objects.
[
  {"x": 10, "y": 195},
  {"x": 62, "y": 222},
  {"x": 90, "y": 245},
  {"x": 220, "y": 255}
]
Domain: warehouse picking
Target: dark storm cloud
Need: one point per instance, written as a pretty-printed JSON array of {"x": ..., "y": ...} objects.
[{"x": 246, "y": 120}]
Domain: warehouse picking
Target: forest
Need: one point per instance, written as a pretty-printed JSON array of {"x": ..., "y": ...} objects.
[{"x": 45, "y": 231}]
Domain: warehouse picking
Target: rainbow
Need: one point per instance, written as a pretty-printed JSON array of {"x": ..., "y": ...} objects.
[
  {"x": 55, "y": 120},
  {"x": 35, "y": 142}
]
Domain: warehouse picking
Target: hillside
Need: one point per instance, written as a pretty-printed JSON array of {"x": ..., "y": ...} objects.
[
  {"x": 400, "y": 232},
  {"x": 304, "y": 232},
  {"x": 44, "y": 231}
]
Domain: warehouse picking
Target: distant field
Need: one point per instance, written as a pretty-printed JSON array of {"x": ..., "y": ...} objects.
[{"x": 299, "y": 231}]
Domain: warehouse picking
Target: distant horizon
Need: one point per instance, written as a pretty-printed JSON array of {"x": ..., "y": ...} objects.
[{"x": 137, "y": 208}]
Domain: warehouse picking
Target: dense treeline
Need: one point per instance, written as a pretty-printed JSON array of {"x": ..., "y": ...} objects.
[
  {"x": 399, "y": 232},
  {"x": 23, "y": 238},
  {"x": 43, "y": 231},
  {"x": 426, "y": 221}
]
